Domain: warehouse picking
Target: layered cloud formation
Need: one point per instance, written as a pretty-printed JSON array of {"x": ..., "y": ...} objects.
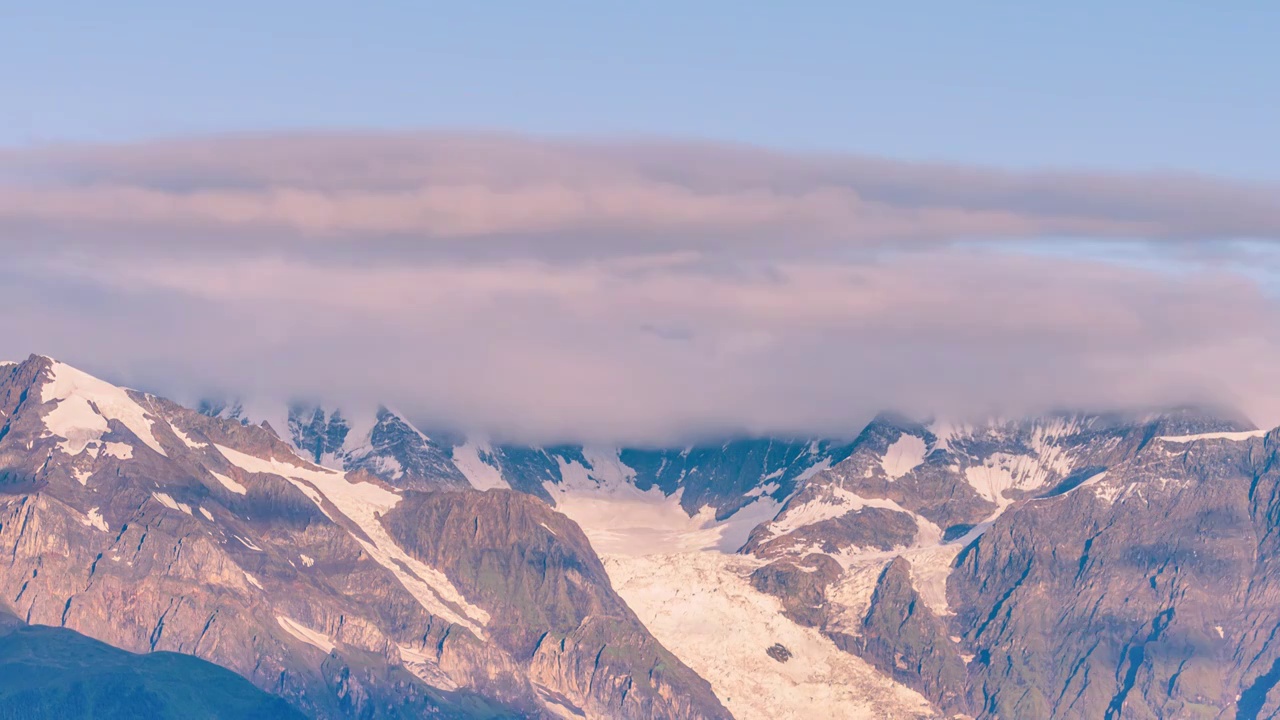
[
  {"x": 458, "y": 186},
  {"x": 644, "y": 292}
]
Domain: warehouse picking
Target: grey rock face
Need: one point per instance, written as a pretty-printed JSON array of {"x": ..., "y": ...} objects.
[
  {"x": 1150, "y": 593},
  {"x": 723, "y": 475},
  {"x": 316, "y": 434},
  {"x": 397, "y": 452},
  {"x": 778, "y": 652},
  {"x": 905, "y": 640},
  {"x": 152, "y": 527},
  {"x": 529, "y": 469}
]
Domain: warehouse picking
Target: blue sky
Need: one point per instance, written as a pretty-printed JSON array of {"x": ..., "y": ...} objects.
[{"x": 1138, "y": 85}]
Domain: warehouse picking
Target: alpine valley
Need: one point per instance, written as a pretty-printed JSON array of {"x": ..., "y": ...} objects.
[{"x": 341, "y": 563}]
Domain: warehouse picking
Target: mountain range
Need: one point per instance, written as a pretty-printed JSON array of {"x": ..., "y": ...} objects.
[{"x": 1069, "y": 565}]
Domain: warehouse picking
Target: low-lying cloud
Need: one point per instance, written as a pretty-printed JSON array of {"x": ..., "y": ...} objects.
[{"x": 641, "y": 292}]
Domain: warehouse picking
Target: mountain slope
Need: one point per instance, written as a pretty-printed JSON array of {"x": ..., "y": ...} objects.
[
  {"x": 1153, "y": 591},
  {"x": 1064, "y": 567},
  {"x": 152, "y": 527},
  {"x": 682, "y": 576}
]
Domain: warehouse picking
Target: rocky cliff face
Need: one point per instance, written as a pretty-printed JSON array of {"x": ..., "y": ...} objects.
[
  {"x": 902, "y": 637},
  {"x": 1068, "y": 566},
  {"x": 1149, "y": 592},
  {"x": 152, "y": 527}
]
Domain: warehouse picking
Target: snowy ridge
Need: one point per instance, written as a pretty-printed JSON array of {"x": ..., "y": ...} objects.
[
  {"x": 1232, "y": 436},
  {"x": 85, "y": 404}
]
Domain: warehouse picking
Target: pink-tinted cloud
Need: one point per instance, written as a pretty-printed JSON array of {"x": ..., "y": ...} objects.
[
  {"x": 456, "y": 186},
  {"x": 556, "y": 290},
  {"x": 598, "y": 351}
]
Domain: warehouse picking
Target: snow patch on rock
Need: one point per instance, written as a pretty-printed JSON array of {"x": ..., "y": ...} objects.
[
  {"x": 1002, "y": 472},
  {"x": 228, "y": 483},
  {"x": 119, "y": 451},
  {"x": 305, "y": 634},
  {"x": 904, "y": 455},
  {"x": 833, "y": 502},
  {"x": 95, "y": 520},
  {"x": 425, "y": 667},
  {"x": 186, "y": 439},
  {"x": 168, "y": 501},
  {"x": 479, "y": 473}
]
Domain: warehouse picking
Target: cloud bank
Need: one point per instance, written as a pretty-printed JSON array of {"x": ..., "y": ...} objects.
[
  {"x": 474, "y": 186},
  {"x": 547, "y": 290}
]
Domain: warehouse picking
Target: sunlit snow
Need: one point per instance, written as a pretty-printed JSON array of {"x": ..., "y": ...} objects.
[
  {"x": 681, "y": 576},
  {"x": 168, "y": 501},
  {"x": 85, "y": 404},
  {"x": 479, "y": 473},
  {"x": 903, "y": 456},
  {"x": 1233, "y": 436},
  {"x": 702, "y": 608}
]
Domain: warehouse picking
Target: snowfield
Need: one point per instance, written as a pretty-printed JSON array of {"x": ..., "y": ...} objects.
[
  {"x": 702, "y": 608},
  {"x": 683, "y": 579}
]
